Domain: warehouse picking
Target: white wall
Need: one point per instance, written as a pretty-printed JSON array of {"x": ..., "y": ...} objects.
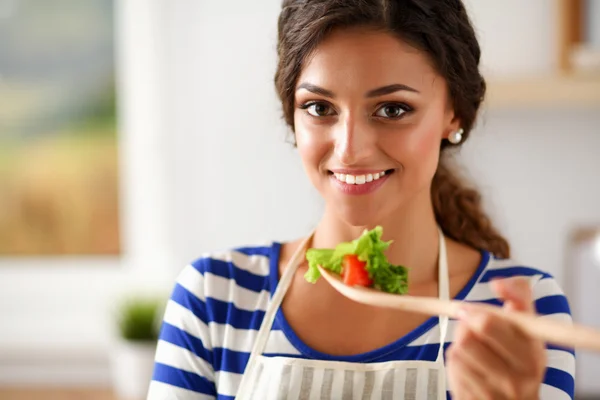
[
  {"x": 223, "y": 105},
  {"x": 516, "y": 36},
  {"x": 200, "y": 76},
  {"x": 537, "y": 171},
  {"x": 593, "y": 23}
]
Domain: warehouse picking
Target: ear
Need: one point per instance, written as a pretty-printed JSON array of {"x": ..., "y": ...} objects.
[{"x": 452, "y": 124}]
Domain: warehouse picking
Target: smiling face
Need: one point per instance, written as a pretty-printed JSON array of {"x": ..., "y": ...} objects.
[{"x": 370, "y": 114}]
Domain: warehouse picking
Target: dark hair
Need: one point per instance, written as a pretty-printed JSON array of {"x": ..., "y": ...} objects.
[{"x": 440, "y": 28}]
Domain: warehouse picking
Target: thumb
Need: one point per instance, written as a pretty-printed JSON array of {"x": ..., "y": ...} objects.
[{"x": 516, "y": 293}]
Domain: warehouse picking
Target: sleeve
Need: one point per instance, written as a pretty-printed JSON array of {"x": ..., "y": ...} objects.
[
  {"x": 183, "y": 367},
  {"x": 559, "y": 380}
]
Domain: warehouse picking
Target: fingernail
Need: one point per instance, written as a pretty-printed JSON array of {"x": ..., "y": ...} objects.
[
  {"x": 462, "y": 313},
  {"x": 516, "y": 289}
]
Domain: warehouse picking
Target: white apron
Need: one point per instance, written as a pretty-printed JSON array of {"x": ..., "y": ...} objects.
[{"x": 283, "y": 378}]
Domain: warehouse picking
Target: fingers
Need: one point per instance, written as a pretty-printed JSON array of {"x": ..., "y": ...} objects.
[
  {"x": 499, "y": 335},
  {"x": 491, "y": 357},
  {"x": 466, "y": 382},
  {"x": 516, "y": 293},
  {"x": 484, "y": 363},
  {"x": 477, "y": 371},
  {"x": 502, "y": 336}
]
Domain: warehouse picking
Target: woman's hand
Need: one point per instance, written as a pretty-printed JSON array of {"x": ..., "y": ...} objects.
[{"x": 491, "y": 358}]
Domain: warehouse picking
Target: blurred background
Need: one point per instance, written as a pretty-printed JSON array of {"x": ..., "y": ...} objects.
[{"x": 136, "y": 135}]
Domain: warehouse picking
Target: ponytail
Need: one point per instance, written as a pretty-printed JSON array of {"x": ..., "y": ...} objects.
[{"x": 459, "y": 212}]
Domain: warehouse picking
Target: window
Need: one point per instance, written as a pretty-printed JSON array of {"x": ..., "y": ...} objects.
[{"x": 58, "y": 136}]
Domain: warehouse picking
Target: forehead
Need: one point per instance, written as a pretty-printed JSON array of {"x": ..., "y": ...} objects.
[{"x": 362, "y": 59}]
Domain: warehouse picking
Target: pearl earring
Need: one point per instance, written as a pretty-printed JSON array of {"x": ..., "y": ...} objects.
[{"x": 456, "y": 137}]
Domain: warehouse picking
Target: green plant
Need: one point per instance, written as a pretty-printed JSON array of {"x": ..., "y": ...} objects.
[{"x": 139, "y": 319}]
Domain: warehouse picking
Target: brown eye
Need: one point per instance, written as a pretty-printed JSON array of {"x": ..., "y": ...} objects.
[
  {"x": 392, "y": 111},
  {"x": 319, "y": 109}
]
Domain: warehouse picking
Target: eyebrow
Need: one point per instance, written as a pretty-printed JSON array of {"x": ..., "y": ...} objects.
[
  {"x": 316, "y": 89},
  {"x": 389, "y": 89}
]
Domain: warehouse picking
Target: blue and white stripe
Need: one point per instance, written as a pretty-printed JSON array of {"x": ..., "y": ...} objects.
[{"x": 219, "y": 301}]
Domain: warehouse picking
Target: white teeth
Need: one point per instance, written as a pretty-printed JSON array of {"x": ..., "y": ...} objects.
[{"x": 358, "y": 179}]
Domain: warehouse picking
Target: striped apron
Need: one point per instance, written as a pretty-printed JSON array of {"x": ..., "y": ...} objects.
[{"x": 283, "y": 378}]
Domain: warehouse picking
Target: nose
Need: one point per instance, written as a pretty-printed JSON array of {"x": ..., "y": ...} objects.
[{"x": 354, "y": 141}]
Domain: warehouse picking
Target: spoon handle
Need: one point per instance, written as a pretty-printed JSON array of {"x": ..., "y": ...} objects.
[{"x": 541, "y": 327}]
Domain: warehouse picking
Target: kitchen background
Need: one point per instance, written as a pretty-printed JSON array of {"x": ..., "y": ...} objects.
[{"x": 136, "y": 135}]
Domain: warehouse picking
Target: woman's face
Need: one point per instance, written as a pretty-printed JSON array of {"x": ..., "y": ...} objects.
[{"x": 370, "y": 114}]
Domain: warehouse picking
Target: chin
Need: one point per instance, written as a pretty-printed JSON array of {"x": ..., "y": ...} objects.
[{"x": 360, "y": 216}]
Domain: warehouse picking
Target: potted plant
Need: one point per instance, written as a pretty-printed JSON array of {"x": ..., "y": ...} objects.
[{"x": 138, "y": 323}]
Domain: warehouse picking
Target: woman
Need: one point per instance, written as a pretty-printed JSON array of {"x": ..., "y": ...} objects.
[{"x": 377, "y": 93}]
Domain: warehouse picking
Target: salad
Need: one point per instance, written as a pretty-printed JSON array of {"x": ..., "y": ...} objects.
[{"x": 360, "y": 262}]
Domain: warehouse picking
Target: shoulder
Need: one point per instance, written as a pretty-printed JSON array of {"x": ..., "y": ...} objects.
[
  {"x": 227, "y": 287},
  {"x": 217, "y": 302},
  {"x": 217, "y": 274},
  {"x": 548, "y": 294},
  {"x": 231, "y": 263}
]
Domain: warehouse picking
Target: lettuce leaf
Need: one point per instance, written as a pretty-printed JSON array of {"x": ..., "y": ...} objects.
[{"x": 368, "y": 248}]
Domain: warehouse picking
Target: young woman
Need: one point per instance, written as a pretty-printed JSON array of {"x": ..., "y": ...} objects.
[{"x": 377, "y": 92}]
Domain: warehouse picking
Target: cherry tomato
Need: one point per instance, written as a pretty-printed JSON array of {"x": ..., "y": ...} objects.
[{"x": 354, "y": 272}]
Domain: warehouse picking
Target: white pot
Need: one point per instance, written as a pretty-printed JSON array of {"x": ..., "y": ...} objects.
[{"x": 132, "y": 364}]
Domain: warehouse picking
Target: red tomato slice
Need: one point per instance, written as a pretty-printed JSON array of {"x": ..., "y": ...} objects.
[{"x": 354, "y": 272}]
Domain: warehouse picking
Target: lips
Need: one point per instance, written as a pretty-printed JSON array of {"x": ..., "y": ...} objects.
[
  {"x": 359, "y": 182},
  {"x": 361, "y": 179}
]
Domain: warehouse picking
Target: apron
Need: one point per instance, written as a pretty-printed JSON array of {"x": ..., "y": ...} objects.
[{"x": 287, "y": 378}]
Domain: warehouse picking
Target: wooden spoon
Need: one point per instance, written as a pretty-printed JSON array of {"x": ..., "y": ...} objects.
[{"x": 551, "y": 331}]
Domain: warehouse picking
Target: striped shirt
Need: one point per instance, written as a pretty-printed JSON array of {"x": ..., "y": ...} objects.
[{"x": 219, "y": 301}]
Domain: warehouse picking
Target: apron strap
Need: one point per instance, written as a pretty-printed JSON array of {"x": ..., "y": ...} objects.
[
  {"x": 265, "y": 327},
  {"x": 444, "y": 291}
]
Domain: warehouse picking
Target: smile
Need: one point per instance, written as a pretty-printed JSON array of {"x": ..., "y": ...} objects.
[
  {"x": 358, "y": 179},
  {"x": 360, "y": 184}
]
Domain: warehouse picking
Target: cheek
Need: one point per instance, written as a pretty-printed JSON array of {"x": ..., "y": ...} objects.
[
  {"x": 311, "y": 146},
  {"x": 427, "y": 136},
  {"x": 415, "y": 146},
  {"x": 427, "y": 153},
  {"x": 427, "y": 143},
  {"x": 419, "y": 151}
]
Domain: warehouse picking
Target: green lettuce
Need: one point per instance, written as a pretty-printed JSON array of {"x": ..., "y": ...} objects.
[{"x": 368, "y": 248}]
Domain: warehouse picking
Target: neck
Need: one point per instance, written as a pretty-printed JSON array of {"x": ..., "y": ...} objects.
[{"x": 412, "y": 229}]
